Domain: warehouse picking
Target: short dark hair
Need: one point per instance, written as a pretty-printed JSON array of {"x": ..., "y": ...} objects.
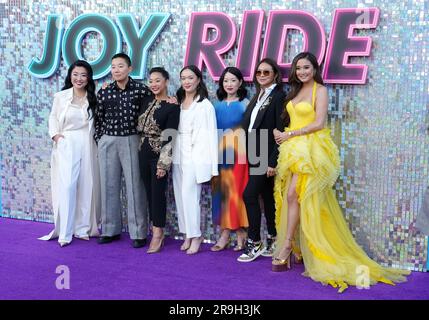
[
  {"x": 241, "y": 93},
  {"x": 160, "y": 70},
  {"x": 201, "y": 89},
  {"x": 123, "y": 56},
  {"x": 277, "y": 73}
]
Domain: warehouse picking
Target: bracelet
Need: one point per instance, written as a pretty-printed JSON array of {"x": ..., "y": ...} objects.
[{"x": 303, "y": 131}]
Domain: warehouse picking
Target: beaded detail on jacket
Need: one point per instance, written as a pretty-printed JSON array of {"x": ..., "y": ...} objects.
[{"x": 149, "y": 128}]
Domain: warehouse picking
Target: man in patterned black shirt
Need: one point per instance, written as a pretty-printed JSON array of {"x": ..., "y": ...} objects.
[{"x": 116, "y": 134}]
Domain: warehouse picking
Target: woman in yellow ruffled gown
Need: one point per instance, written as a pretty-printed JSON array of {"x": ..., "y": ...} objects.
[{"x": 306, "y": 207}]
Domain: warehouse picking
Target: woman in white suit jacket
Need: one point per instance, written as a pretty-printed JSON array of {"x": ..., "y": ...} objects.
[
  {"x": 74, "y": 166},
  {"x": 195, "y": 155}
]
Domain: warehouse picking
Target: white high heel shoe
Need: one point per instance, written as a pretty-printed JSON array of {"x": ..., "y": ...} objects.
[{"x": 85, "y": 237}]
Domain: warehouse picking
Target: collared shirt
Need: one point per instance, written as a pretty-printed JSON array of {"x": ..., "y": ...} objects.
[
  {"x": 258, "y": 105},
  {"x": 118, "y": 110}
]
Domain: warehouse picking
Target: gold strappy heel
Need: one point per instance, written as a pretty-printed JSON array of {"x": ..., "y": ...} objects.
[
  {"x": 186, "y": 244},
  {"x": 241, "y": 240},
  {"x": 280, "y": 265}
]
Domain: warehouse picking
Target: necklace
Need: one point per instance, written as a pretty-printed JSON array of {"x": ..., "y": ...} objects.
[{"x": 79, "y": 100}]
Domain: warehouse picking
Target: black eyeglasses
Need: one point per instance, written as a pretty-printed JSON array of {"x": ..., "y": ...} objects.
[{"x": 263, "y": 73}]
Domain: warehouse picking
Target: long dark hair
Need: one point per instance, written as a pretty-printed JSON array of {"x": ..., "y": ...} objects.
[
  {"x": 242, "y": 91},
  {"x": 90, "y": 87},
  {"x": 295, "y": 83},
  {"x": 201, "y": 89},
  {"x": 277, "y": 74}
]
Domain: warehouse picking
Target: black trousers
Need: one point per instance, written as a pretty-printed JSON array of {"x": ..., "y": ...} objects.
[
  {"x": 155, "y": 189},
  {"x": 256, "y": 186}
]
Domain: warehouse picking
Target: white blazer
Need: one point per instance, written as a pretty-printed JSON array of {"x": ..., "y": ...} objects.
[
  {"x": 60, "y": 106},
  {"x": 204, "y": 137}
]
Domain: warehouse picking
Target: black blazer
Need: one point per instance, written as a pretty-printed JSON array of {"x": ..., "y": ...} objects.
[{"x": 268, "y": 118}]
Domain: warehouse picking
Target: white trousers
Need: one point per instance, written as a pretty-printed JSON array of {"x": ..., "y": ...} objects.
[
  {"x": 187, "y": 193},
  {"x": 74, "y": 187}
]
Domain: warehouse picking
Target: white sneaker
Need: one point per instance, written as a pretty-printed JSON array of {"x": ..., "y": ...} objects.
[
  {"x": 251, "y": 252},
  {"x": 270, "y": 247}
]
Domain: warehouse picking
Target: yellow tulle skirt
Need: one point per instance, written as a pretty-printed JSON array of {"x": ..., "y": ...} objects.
[{"x": 331, "y": 254}]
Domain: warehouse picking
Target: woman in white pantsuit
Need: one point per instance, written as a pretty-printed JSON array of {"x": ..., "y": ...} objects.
[
  {"x": 195, "y": 156},
  {"x": 74, "y": 166}
]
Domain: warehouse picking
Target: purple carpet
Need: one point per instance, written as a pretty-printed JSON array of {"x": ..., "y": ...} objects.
[{"x": 118, "y": 271}]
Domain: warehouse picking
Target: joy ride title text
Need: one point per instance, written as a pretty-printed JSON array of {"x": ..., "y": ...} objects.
[{"x": 211, "y": 35}]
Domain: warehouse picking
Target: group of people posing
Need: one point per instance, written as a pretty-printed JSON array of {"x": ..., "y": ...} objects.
[{"x": 275, "y": 147}]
